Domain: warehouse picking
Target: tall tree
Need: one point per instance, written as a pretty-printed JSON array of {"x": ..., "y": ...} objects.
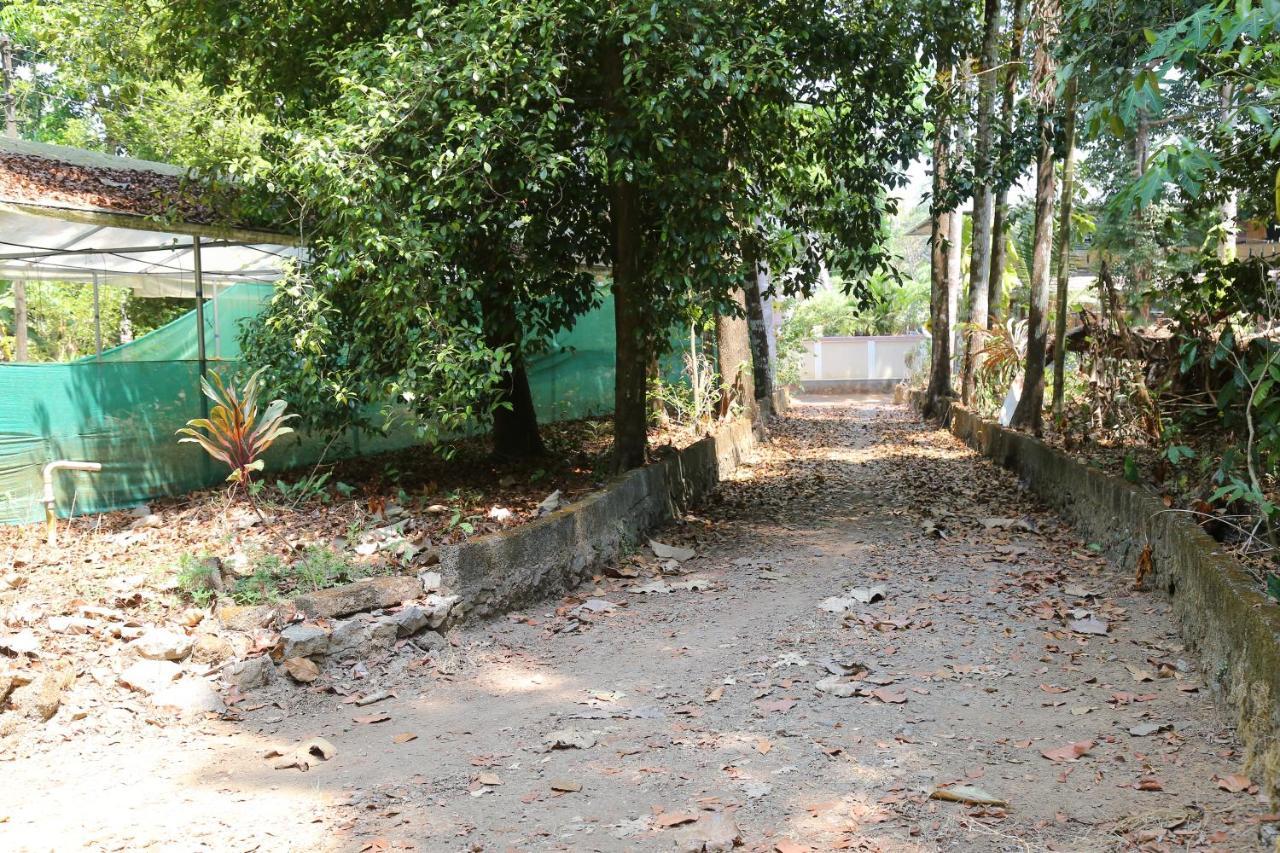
[
  {"x": 1008, "y": 163},
  {"x": 1029, "y": 413},
  {"x": 941, "y": 206},
  {"x": 1065, "y": 212},
  {"x": 983, "y": 200}
]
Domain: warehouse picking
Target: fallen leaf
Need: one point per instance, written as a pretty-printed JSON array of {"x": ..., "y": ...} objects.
[
  {"x": 302, "y": 669},
  {"x": 786, "y": 845},
  {"x": 370, "y": 719},
  {"x": 654, "y": 587},
  {"x": 890, "y": 696},
  {"x": 966, "y": 794},
  {"x": 566, "y": 786},
  {"x": 779, "y": 706},
  {"x": 1234, "y": 783},
  {"x": 868, "y": 594},
  {"x": 404, "y": 737},
  {"x": 1070, "y": 752},
  {"x": 488, "y": 779},
  {"x": 1088, "y": 624},
  {"x": 716, "y": 694},
  {"x": 1138, "y": 673},
  {"x": 663, "y": 551},
  {"x": 763, "y": 746},
  {"x": 303, "y": 755},
  {"x": 1145, "y": 729}
]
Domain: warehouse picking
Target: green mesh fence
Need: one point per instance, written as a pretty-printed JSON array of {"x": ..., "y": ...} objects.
[{"x": 122, "y": 408}]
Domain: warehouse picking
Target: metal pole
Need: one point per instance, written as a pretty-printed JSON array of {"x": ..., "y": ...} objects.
[
  {"x": 10, "y": 104},
  {"x": 200, "y": 353},
  {"x": 97, "y": 315},
  {"x": 217, "y": 335}
]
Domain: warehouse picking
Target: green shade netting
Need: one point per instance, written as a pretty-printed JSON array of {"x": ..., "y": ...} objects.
[{"x": 122, "y": 408}]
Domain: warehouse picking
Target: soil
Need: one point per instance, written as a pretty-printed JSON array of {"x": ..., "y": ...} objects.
[
  {"x": 435, "y": 500},
  {"x": 696, "y": 711}
]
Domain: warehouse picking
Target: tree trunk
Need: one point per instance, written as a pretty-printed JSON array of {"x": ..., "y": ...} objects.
[
  {"x": 515, "y": 420},
  {"x": 630, "y": 415},
  {"x": 733, "y": 353},
  {"x": 1000, "y": 221},
  {"x": 1029, "y": 413},
  {"x": 939, "y": 297},
  {"x": 983, "y": 201},
  {"x": 20, "y": 352},
  {"x": 762, "y": 370},
  {"x": 955, "y": 275},
  {"x": 1064, "y": 253}
]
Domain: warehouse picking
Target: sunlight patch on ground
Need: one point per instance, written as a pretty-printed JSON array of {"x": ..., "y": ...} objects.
[{"x": 504, "y": 679}]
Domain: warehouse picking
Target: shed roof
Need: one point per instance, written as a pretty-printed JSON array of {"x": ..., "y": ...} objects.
[{"x": 75, "y": 215}]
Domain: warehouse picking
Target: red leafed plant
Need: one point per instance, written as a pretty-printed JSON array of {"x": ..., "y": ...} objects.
[{"x": 234, "y": 432}]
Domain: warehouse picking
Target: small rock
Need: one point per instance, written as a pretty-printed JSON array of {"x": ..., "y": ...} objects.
[
  {"x": 437, "y": 608},
  {"x": 431, "y": 582},
  {"x": 410, "y": 620},
  {"x": 430, "y": 641},
  {"x": 190, "y": 696},
  {"x": 161, "y": 644},
  {"x": 70, "y": 625},
  {"x": 303, "y": 640},
  {"x": 210, "y": 648},
  {"x": 570, "y": 739},
  {"x": 715, "y": 833},
  {"x": 252, "y": 673},
  {"x": 150, "y": 676},
  {"x": 192, "y": 617},
  {"x": 245, "y": 618},
  {"x": 145, "y": 521},
  {"x": 368, "y": 594},
  {"x": 349, "y": 636},
  {"x": 22, "y": 643},
  {"x": 41, "y": 699},
  {"x": 383, "y": 633}
]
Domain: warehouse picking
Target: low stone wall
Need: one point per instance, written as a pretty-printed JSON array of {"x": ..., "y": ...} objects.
[
  {"x": 507, "y": 570},
  {"x": 1226, "y": 620},
  {"x": 848, "y": 386},
  {"x": 492, "y": 574}
]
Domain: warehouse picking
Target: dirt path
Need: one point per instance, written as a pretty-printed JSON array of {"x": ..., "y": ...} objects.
[{"x": 695, "y": 702}]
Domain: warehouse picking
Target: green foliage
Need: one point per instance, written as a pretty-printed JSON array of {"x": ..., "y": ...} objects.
[
  {"x": 197, "y": 578},
  {"x": 235, "y": 433},
  {"x": 273, "y": 579}
]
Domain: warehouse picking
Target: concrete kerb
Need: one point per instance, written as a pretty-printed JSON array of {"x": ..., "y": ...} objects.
[
  {"x": 1226, "y": 620},
  {"x": 504, "y": 571}
]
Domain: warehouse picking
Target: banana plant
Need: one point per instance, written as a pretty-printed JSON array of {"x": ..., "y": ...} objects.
[{"x": 234, "y": 433}]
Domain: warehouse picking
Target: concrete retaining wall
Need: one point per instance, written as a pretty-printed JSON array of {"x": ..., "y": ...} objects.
[
  {"x": 1226, "y": 619},
  {"x": 848, "y": 386},
  {"x": 508, "y": 570}
]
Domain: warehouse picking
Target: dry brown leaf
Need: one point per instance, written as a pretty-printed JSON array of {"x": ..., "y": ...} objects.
[
  {"x": 763, "y": 746},
  {"x": 892, "y": 697},
  {"x": 302, "y": 669},
  {"x": 1235, "y": 783},
  {"x": 1070, "y": 752},
  {"x": 404, "y": 737},
  {"x": 566, "y": 786},
  {"x": 371, "y": 718},
  {"x": 670, "y": 819}
]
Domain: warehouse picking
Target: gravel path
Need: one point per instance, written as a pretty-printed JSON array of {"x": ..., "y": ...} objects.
[{"x": 693, "y": 715}]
